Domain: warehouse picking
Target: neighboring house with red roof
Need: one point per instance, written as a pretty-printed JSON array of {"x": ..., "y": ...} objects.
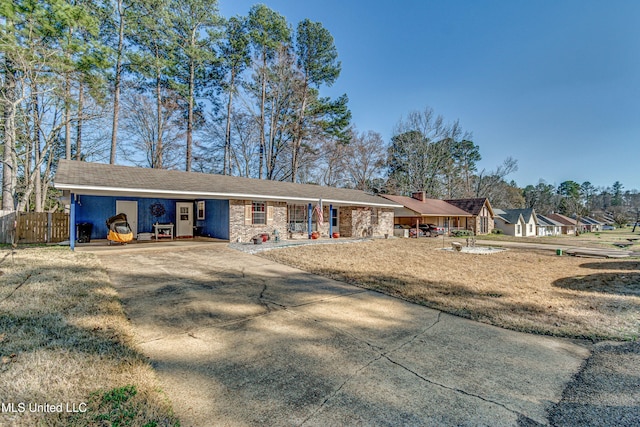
[
  {"x": 568, "y": 224},
  {"x": 449, "y": 214},
  {"x": 481, "y": 212}
]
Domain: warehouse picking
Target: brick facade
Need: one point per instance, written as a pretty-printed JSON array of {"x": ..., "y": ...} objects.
[
  {"x": 357, "y": 221},
  {"x": 353, "y": 221},
  {"x": 241, "y": 229},
  {"x": 489, "y": 223}
]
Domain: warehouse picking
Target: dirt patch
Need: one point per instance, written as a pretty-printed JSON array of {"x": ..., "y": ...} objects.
[{"x": 524, "y": 290}]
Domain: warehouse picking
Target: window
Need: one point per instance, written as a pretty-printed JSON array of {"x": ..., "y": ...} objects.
[
  {"x": 484, "y": 225},
  {"x": 334, "y": 217},
  {"x": 530, "y": 228},
  {"x": 259, "y": 213},
  {"x": 518, "y": 229},
  {"x": 200, "y": 205},
  {"x": 297, "y": 215},
  {"x": 184, "y": 213}
]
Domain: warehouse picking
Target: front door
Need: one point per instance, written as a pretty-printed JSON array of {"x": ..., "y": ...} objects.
[
  {"x": 184, "y": 219},
  {"x": 130, "y": 209}
]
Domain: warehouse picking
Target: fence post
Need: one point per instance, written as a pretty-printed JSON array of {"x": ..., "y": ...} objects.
[
  {"x": 16, "y": 228},
  {"x": 49, "y": 227}
]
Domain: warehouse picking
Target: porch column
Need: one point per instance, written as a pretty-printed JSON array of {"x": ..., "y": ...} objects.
[
  {"x": 331, "y": 221},
  {"x": 309, "y": 218},
  {"x": 72, "y": 222}
]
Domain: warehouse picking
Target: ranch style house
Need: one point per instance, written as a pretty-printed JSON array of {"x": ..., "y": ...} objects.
[{"x": 229, "y": 208}]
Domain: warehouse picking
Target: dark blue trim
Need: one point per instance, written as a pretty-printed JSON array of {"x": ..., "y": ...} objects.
[
  {"x": 72, "y": 223},
  {"x": 309, "y": 216},
  {"x": 331, "y": 221}
]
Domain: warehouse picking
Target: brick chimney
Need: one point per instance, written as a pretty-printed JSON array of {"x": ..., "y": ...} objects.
[{"x": 419, "y": 195}]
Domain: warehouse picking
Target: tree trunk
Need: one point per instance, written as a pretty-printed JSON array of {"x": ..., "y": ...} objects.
[
  {"x": 37, "y": 179},
  {"x": 270, "y": 147},
  {"x": 36, "y": 151},
  {"x": 116, "y": 91},
  {"x": 67, "y": 117},
  {"x": 227, "y": 137},
  {"x": 297, "y": 141},
  {"x": 9, "y": 172},
  {"x": 79, "y": 123},
  {"x": 192, "y": 76},
  {"x": 157, "y": 162},
  {"x": 262, "y": 102},
  {"x": 67, "y": 106}
]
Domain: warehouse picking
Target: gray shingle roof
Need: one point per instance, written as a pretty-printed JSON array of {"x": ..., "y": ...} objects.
[
  {"x": 543, "y": 220},
  {"x": 103, "y": 179},
  {"x": 526, "y": 213},
  {"x": 510, "y": 216}
]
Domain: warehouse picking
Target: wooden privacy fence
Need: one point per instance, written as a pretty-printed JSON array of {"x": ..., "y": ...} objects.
[{"x": 34, "y": 227}]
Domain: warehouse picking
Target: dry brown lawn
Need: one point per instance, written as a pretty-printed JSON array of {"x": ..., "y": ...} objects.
[
  {"x": 530, "y": 291},
  {"x": 603, "y": 239},
  {"x": 64, "y": 339}
]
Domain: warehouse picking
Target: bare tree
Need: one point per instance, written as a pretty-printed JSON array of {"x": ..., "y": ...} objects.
[
  {"x": 141, "y": 123},
  {"x": 419, "y": 153},
  {"x": 365, "y": 158},
  {"x": 487, "y": 183}
]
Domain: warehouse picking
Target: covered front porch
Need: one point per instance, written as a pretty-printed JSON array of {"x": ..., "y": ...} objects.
[{"x": 150, "y": 218}]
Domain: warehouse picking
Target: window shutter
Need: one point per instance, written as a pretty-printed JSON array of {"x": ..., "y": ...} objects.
[
  {"x": 247, "y": 212},
  {"x": 269, "y": 213}
]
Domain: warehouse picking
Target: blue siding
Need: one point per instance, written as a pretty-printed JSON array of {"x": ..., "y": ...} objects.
[
  {"x": 96, "y": 210},
  {"x": 216, "y": 222}
]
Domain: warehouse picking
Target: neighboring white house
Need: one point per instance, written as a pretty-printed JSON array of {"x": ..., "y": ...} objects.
[
  {"x": 568, "y": 224},
  {"x": 509, "y": 224},
  {"x": 548, "y": 227},
  {"x": 517, "y": 222}
]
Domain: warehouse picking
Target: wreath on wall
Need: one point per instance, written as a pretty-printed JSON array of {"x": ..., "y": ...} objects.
[{"x": 157, "y": 210}]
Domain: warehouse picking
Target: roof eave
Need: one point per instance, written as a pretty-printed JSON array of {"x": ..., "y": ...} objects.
[{"x": 143, "y": 192}]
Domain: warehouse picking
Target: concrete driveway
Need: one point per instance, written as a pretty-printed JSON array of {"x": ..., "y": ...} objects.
[{"x": 240, "y": 340}]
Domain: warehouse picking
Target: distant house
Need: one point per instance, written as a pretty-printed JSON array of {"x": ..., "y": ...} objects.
[
  {"x": 482, "y": 215},
  {"x": 510, "y": 223},
  {"x": 548, "y": 227},
  {"x": 591, "y": 224},
  {"x": 418, "y": 209},
  {"x": 568, "y": 225},
  {"x": 517, "y": 222},
  {"x": 224, "y": 207}
]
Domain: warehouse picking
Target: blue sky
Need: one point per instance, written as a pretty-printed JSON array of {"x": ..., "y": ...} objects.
[{"x": 554, "y": 84}]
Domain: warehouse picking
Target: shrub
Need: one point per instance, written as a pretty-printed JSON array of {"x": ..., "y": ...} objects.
[
  {"x": 461, "y": 233},
  {"x": 496, "y": 231}
]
